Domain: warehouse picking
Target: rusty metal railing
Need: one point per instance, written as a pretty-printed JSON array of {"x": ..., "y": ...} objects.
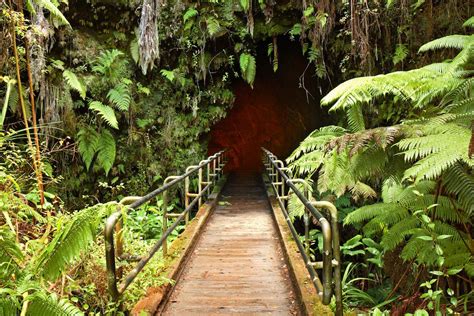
[
  {"x": 282, "y": 183},
  {"x": 114, "y": 242}
]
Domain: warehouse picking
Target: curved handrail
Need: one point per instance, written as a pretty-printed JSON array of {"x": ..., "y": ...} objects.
[
  {"x": 331, "y": 263},
  {"x": 214, "y": 164}
]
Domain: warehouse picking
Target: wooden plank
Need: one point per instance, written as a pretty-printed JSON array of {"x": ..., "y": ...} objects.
[{"x": 238, "y": 266}]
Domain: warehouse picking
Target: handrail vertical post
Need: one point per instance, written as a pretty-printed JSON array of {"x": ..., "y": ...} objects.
[
  {"x": 186, "y": 198},
  {"x": 165, "y": 223},
  {"x": 199, "y": 187}
]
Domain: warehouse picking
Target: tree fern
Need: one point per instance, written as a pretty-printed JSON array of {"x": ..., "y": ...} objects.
[
  {"x": 460, "y": 182},
  {"x": 469, "y": 22},
  {"x": 437, "y": 151},
  {"x": 248, "y": 68},
  {"x": 451, "y": 41},
  {"x": 87, "y": 144},
  {"x": 75, "y": 83},
  {"x": 105, "y": 112},
  {"x": 106, "y": 151},
  {"x": 42, "y": 304},
  {"x": 70, "y": 241}
]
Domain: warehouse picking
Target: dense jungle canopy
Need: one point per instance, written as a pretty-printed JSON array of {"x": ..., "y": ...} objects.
[{"x": 371, "y": 101}]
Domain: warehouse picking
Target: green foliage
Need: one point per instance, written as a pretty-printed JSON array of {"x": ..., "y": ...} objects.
[
  {"x": 91, "y": 143},
  {"x": 74, "y": 82},
  {"x": 52, "y": 7},
  {"x": 42, "y": 304},
  {"x": 248, "y": 68},
  {"x": 106, "y": 151},
  {"x": 469, "y": 22},
  {"x": 401, "y": 52},
  {"x": 190, "y": 13},
  {"x": 120, "y": 96},
  {"x": 87, "y": 144},
  {"x": 105, "y": 112},
  {"x": 451, "y": 41},
  {"x": 70, "y": 241}
]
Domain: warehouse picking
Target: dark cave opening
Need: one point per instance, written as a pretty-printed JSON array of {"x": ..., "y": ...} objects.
[{"x": 276, "y": 114}]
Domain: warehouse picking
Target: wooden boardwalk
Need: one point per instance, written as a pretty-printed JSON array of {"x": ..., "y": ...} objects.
[{"x": 237, "y": 266}]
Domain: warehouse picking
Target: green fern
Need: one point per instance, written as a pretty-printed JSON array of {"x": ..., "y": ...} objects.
[
  {"x": 120, "y": 96},
  {"x": 469, "y": 22},
  {"x": 71, "y": 241},
  {"x": 106, "y": 151},
  {"x": 458, "y": 180},
  {"x": 134, "y": 50},
  {"x": 42, "y": 304},
  {"x": 87, "y": 144},
  {"x": 10, "y": 253},
  {"x": 105, "y": 112},
  {"x": 436, "y": 152},
  {"x": 248, "y": 68},
  {"x": 111, "y": 66},
  {"x": 8, "y": 307},
  {"x": 213, "y": 26},
  {"x": 75, "y": 83},
  {"x": 451, "y": 41},
  {"x": 401, "y": 52},
  {"x": 53, "y": 9}
]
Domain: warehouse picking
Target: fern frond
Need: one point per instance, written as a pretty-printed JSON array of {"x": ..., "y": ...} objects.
[
  {"x": 120, "y": 97},
  {"x": 106, "y": 112},
  {"x": 469, "y": 22},
  {"x": 362, "y": 190},
  {"x": 70, "y": 241},
  {"x": 8, "y": 307},
  {"x": 42, "y": 304},
  {"x": 75, "y": 83},
  {"x": 106, "y": 60},
  {"x": 248, "y": 68},
  {"x": 398, "y": 232},
  {"x": 368, "y": 212},
  {"x": 106, "y": 151},
  {"x": 391, "y": 189},
  {"x": 458, "y": 181},
  {"x": 49, "y": 5},
  {"x": 355, "y": 118},
  {"x": 437, "y": 152},
  {"x": 450, "y": 41},
  {"x": 10, "y": 253},
  {"x": 87, "y": 144}
]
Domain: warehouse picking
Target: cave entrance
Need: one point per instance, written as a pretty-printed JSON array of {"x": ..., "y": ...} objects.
[{"x": 276, "y": 114}]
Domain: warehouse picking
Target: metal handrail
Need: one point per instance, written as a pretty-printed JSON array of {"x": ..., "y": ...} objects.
[
  {"x": 331, "y": 262},
  {"x": 214, "y": 166}
]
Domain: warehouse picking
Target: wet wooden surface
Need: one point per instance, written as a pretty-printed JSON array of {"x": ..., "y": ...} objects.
[{"x": 237, "y": 266}]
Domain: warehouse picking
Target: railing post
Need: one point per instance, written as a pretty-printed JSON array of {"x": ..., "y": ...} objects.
[
  {"x": 199, "y": 187},
  {"x": 186, "y": 198},
  {"x": 164, "y": 226}
]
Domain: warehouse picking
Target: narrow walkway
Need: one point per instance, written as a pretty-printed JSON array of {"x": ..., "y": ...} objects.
[{"x": 237, "y": 266}]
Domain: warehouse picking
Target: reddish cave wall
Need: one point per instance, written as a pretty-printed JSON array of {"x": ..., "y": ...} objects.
[{"x": 275, "y": 114}]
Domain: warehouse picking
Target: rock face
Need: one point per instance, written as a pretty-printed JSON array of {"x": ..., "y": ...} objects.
[{"x": 275, "y": 114}]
